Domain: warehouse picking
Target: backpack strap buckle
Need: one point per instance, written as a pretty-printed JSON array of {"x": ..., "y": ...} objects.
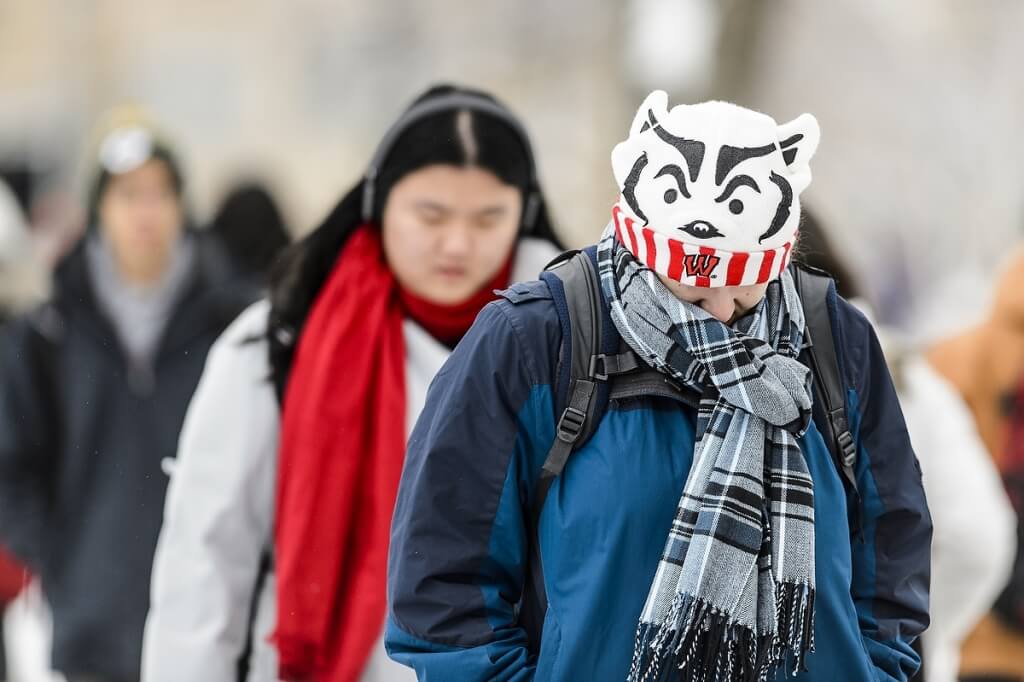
[
  {"x": 570, "y": 425},
  {"x": 848, "y": 448},
  {"x": 603, "y": 366}
]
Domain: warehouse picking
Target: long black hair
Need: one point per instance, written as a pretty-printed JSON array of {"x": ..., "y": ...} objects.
[{"x": 440, "y": 138}]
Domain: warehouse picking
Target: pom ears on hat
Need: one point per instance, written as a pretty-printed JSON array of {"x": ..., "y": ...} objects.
[
  {"x": 798, "y": 141},
  {"x": 625, "y": 153},
  {"x": 654, "y": 106}
]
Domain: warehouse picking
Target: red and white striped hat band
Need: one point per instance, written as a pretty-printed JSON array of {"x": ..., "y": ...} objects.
[{"x": 699, "y": 266}]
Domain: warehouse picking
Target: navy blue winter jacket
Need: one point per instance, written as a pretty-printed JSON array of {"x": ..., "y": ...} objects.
[
  {"x": 81, "y": 445},
  {"x": 461, "y": 535}
]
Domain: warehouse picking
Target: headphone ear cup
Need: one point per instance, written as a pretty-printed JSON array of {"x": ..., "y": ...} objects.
[
  {"x": 530, "y": 210},
  {"x": 369, "y": 183}
]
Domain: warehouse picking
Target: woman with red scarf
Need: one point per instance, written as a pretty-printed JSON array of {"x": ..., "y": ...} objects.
[{"x": 309, "y": 397}]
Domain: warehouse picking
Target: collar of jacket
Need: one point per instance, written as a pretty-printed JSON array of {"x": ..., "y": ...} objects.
[{"x": 215, "y": 293}]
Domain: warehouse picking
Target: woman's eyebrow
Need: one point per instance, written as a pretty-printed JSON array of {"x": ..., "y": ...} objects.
[
  {"x": 489, "y": 211},
  {"x": 429, "y": 205}
]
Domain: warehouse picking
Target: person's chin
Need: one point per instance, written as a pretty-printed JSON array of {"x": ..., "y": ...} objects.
[
  {"x": 454, "y": 297},
  {"x": 449, "y": 290}
]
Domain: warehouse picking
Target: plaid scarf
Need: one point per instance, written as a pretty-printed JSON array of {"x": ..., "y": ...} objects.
[{"x": 733, "y": 596}]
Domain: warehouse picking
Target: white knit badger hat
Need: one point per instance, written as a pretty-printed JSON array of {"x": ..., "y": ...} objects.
[{"x": 710, "y": 191}]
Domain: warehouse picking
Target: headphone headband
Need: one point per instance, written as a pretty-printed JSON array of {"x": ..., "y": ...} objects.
[{"x": 452, "y": 102}]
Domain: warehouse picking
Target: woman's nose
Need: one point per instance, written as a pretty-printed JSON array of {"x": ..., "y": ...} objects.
[{"x": 456, "y": 240}]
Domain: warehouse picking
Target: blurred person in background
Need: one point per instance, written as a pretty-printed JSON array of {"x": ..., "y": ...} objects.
[
  {"x": 973, "y": 537},
  {"x": 93, "y": 391},
  {"x": 361, "y": 315},
  {"x": 1010, "y": 605},
  {"x": 22, "y": 284},
  {"x": 250, "y": 226},
  {"x": 985, "y": 364}
]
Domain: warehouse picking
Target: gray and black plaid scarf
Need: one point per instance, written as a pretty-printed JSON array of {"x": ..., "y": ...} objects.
[{"x": 733, "y": 596}]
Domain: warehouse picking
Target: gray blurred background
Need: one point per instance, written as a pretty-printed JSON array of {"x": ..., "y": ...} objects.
[{"x": 918, "y": 178}]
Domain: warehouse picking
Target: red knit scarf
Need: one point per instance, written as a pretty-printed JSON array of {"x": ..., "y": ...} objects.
[{"x": 341, "y": 453}]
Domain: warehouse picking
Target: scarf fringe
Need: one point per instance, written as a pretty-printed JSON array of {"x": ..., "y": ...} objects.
[{"x": 701, "y": 643}]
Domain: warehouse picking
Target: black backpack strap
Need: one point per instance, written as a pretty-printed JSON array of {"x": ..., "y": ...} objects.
[
  {"x": 587, "y": 366},
  {"x": 814, "y": 288},
  {"x": 578, "y": 300}
]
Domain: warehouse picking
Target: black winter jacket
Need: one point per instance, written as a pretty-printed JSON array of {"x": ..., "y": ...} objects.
[{"x": 82, "y": 441}]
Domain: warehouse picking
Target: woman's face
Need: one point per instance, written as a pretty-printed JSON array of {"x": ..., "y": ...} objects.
[
  {"x": 448, "y": 230},
  {"x": 725, "y": 304}
]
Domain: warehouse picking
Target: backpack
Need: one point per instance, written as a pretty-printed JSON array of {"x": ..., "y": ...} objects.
[{"x": 595, "y": 366}]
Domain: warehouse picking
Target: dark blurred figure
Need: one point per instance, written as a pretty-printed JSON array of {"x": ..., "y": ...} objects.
[
  {"x": 93, "y": 390},
  {"x": 250, "y": 226},
  {"x": 20, "y": 284},
  {"x": 814, "y": 249}
]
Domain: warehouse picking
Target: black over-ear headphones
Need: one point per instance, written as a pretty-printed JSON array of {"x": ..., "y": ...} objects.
[{"x": 453, "y": 102}]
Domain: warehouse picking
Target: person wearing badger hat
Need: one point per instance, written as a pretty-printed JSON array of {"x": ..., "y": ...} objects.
[
  {"x": 701, "y": 528},
  {"x": 278, "y": 518},
  {"x": 93, "y": 391}
]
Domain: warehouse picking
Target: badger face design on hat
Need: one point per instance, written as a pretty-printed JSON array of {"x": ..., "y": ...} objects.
[{"x": 710, "y": 191}]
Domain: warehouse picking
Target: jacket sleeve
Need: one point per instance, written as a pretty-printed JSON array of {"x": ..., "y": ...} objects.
[
  {"x": 892, "y": 551},
  {"x": 217, "y": 516},
  {"x": 28, "y": 447},
  {"x": 459, "y": 533}
]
